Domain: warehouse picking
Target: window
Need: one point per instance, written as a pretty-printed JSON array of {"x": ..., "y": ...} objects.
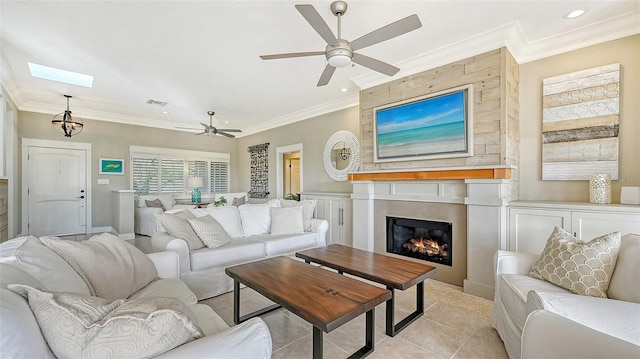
[{"x": 163, "y": 171}]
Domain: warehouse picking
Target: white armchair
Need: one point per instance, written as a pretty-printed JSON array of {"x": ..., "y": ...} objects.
[{"x": 537, "y": 319}]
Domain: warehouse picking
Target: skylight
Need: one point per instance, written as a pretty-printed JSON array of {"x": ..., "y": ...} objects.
[{"x": 67, "y": 77}]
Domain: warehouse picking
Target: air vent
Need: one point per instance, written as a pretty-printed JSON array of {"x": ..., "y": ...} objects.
[{"x": 157, "y": 103}]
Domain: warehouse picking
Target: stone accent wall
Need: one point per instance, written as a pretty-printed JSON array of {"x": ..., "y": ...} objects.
[{"x": 495, "y": 78}]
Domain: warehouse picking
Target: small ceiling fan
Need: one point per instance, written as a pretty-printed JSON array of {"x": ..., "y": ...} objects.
[
  {"x": 210, "y": 130},
  {"x": 340, "y": 52}
]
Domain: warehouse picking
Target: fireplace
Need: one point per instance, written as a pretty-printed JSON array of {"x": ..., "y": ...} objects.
[{"x": 422, "y": 239}]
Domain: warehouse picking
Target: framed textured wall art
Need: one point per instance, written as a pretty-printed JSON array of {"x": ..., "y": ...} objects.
[
  {"x": 580, "y": 124},
  {"x": 259, "y": 170}
]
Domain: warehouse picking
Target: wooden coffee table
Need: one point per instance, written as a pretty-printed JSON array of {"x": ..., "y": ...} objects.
[
  {"x": 395, "y": 273},
  {"x": 325, "y": 299}
]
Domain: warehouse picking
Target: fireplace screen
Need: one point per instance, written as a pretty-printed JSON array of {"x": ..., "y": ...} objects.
[{"x": 422, "y": 239}]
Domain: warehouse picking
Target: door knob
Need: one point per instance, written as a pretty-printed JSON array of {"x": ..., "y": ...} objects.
[{"x": 80, "y": 197}]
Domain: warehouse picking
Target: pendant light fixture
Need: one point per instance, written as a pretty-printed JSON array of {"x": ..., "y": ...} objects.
[{"x": 65, "y": 123}]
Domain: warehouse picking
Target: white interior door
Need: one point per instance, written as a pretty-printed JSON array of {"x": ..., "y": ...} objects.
[{"x": 57, "y": 191}]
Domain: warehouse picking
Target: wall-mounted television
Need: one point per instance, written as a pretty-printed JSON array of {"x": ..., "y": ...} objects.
[{"x": 438, "y": 125}]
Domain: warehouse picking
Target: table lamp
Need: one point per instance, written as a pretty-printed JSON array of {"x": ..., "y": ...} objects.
[{"x": 195, "y": 183}]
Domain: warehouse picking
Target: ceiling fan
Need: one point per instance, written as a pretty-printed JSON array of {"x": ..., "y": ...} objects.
[
  {"x": 210, "y": 130},
  {"x": 340, "y": 52}
]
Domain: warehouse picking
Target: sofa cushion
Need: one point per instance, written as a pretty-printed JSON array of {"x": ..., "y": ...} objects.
[
  {"x": 624, "y": 283},
  {"x": 210, "y": 231},
  {"x": 228, "y": 217},
  {"x": 239, "y": 250},
  {"x": 178, "y": 226},
  {"x": 513, "y": 289},
  {"x": 208, "y": 320},
  {"x": 282, "y": 243},
  {"x": 308, "y": 207},
  {"x": 33, "y": 257},
  {"x": 583, "y": 268},
  {"x": 255, "y": 218},
  {"x": 286, "y": 220},
  {"x": 81, "y": 326},
  {"x": 111, "y": 267},
  {"x": 167, "y": 287}
]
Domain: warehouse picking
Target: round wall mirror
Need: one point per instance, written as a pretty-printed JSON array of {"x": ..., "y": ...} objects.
[{"x": 341, "y": 155}]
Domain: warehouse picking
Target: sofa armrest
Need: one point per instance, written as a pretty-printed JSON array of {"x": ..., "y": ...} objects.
[
  {"x": 506, "y": 262},
  {"x": 612, "y": 317},
  {"x": 167, "y": 263},
  {"x": 250, "y": 339},
  {"x": 320, "y": 226},
  {"x": 549, "y": 335},
  {"x": 184, "y": 206},
  {"x": 163, "y": 241}
]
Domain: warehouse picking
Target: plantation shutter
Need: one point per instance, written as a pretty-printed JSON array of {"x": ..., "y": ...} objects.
[
  {"x": 145, "y": 175},
  {"x": 219, "y": 177},
  {"x": 172, "y": 176},
  {"x": 196, "y": 168}
]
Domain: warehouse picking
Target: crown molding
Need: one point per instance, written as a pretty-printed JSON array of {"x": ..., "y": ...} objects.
[
  {"x": 514, "y": 38},
  {"x": 339, "y": 104}
]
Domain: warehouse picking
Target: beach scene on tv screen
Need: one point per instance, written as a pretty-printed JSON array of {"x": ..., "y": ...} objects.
[{"x": 430, "y": 126}]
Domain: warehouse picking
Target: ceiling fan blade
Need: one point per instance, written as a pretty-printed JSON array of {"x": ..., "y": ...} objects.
[
  {"x": 201, "y": 133},
  {"x": 229, "y": 130},
  {"x": 291, "y": 54},
  {"x": 205, "y": 125},
  {"x": 226, "y": 134},
  {"x": 387, "y": 32},
  {"x": 326, "y": 75},
  {"x": 315, "y": 20},
  {"x": 375, "y": 65}
]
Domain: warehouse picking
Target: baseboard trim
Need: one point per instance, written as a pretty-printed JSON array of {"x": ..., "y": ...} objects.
[{"x": 478, "y": 289}]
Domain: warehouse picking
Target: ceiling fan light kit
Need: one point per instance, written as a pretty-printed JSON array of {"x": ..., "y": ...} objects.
[{"x": 340, "y": 52}]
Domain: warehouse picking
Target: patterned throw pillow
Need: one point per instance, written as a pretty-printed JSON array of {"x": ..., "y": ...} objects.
[
  {"x": 210, "y": 231},
  {"x": 176, "y": 225},
  {"x": 583, "y": 268},
  {"x": 287, "y": 220},
  {"x": 81, "y": 326}
]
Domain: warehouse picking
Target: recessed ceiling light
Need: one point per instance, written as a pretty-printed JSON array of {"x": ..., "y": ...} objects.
[
  {"x": 575, "y": 13},
  {"x": 53, "y": 74},
  {"x": 165, "y": 112},
  {"x": 344, "y": 89},
  {"x": 226, "y": 121}
]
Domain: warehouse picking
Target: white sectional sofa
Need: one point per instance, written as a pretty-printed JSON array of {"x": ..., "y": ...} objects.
[
  {"x": 144, "y": 217},
  {"x": 537, "y": 319},
  {"x": 249, "y": 227},
  {"x": 28, "y": 261}
]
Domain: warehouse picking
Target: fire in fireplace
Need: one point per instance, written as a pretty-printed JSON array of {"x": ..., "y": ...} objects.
[{"x": 422, "y": 239}]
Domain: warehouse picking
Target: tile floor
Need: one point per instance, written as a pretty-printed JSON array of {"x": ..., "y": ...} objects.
[{"x": 455, "y": 325}]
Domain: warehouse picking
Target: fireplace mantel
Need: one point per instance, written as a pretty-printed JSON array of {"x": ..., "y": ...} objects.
[
  {"x": 445, "y": 173},
  {"x": 483, "y": 190}
]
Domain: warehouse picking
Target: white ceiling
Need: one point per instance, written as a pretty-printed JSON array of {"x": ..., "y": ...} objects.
[{"x": 204, "y": 55}]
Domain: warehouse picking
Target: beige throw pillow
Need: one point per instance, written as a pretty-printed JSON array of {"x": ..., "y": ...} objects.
[
  {"x": 110, "y": 267},
  {"x": 82, "y": 326},
  {"x": 308, "y": 207},
  {"x": 286, "y": 220},
  {"x": 178, "y": 226},
  {"x": 210, "y": 231},
  {"x": 156, "y": 203},
  {"x": 238, "y": 201},
  {"x": 583, "y": 268}
]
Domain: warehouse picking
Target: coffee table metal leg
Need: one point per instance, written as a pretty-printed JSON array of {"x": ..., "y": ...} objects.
[
  {"x": 369, "y": 334},
  {"x": 317, "y": 343},
  {"x": 236, "y": 306},
  {"x": 392, "y": 330}
]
